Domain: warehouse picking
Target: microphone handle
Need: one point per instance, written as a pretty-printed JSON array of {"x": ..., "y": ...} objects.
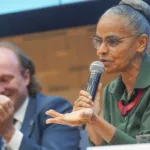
[{"x": 92, "y": 84}]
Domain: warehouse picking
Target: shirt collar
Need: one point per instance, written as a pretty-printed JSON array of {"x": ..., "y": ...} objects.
[
  {"x": 143, "y": 79},
  {"x": 20, "y": 113}
]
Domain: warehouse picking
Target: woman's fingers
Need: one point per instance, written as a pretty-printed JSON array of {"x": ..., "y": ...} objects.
[
  {"x": 57, "y": 120},
  {"x": 85, "y": 94},
  {"x": 53, "y": 113},
  {"x": 83, "y": 104},
  {"x": 73, "y": 119},
  {"x": 65, "y": 119},
  {"x": 83, "y": 99}
]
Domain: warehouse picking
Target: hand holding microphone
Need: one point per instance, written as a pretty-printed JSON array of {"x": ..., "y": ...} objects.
[
  {"x": 93, "y": 86},
  {"x": 84, "y": 106}
]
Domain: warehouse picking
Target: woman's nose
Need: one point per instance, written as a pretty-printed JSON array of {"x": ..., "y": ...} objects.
[{"x": 102, "y": 50}]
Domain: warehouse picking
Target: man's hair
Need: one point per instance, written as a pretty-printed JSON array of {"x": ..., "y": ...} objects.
[{"x": 26, "y": 64}]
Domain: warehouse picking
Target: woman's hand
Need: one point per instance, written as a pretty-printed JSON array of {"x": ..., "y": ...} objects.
[
  {"x": 82, "y": 113},
  {"x": 74, "y": 118}
]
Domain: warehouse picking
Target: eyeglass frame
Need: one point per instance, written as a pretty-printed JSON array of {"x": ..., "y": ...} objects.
[{"x": 118, "y": 38}]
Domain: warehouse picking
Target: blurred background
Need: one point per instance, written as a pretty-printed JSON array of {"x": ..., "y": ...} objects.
[{"x": 56, "y": 35}]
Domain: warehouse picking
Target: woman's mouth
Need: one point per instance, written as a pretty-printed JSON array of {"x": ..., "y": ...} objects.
[{"x": 106, "y": 62}]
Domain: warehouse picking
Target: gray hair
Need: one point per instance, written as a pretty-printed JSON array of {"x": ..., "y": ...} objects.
[{"x": 136, "y": 14}]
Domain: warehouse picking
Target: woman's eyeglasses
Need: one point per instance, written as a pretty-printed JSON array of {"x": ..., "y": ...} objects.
[{"x": 110, "y": 42}]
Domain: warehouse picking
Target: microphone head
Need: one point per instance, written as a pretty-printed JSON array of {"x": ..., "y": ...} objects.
[{"x": 97, "y": 66}]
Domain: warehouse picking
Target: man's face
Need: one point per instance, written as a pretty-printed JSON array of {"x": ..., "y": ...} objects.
[{"x": 12, "y": 82}]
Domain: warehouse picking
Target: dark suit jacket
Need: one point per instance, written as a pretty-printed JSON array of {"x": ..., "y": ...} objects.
[{"x": 38, "y": 135}]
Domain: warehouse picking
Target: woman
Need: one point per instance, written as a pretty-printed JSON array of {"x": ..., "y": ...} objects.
[{"x": 121, "y": 41}]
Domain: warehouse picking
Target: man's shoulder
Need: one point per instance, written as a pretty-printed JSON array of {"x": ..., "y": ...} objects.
[
  {"x": 50, "y": 99},
  {"x": 52, "y": 102}
]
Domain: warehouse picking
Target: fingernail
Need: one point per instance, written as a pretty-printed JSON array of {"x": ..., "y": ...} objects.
[
  {"x": 90, "y": 97},
  {"x": 92, "y": 103}
]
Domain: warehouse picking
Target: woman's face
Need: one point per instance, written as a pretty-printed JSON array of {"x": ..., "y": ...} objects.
[{"x": 116, "y": 54}]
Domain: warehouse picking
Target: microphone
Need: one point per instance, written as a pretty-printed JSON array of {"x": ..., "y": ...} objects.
[{"x": 96, "y": 70}]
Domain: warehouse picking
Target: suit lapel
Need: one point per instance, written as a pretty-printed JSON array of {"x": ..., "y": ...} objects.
[
  {"x": 29, "y": 119},
  {"x": 1, "y": 143}
]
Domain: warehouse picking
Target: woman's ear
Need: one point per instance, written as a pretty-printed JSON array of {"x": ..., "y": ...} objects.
[{"x": 142, "y": 43}]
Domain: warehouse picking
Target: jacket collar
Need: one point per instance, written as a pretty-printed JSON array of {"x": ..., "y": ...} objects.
[
  {"x": 143, "y": 79},
  {"x": 29, "y": 117}
]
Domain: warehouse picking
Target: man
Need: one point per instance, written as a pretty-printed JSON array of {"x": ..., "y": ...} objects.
[{"x": 23, "y": 107}]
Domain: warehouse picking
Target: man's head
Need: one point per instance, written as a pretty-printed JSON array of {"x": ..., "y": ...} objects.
[{"x": 17, "y": 71}]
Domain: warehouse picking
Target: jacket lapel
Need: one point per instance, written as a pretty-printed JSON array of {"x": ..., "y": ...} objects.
[
  {"x": 29, "y": 118},
  {"x": 1, "y": 143}
]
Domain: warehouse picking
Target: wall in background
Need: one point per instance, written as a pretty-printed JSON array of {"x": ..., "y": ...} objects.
[{"x": 62, "y": 58}]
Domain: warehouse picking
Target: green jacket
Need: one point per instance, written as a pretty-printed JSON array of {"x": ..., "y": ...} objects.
[{"x": 137, "y": 121}]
